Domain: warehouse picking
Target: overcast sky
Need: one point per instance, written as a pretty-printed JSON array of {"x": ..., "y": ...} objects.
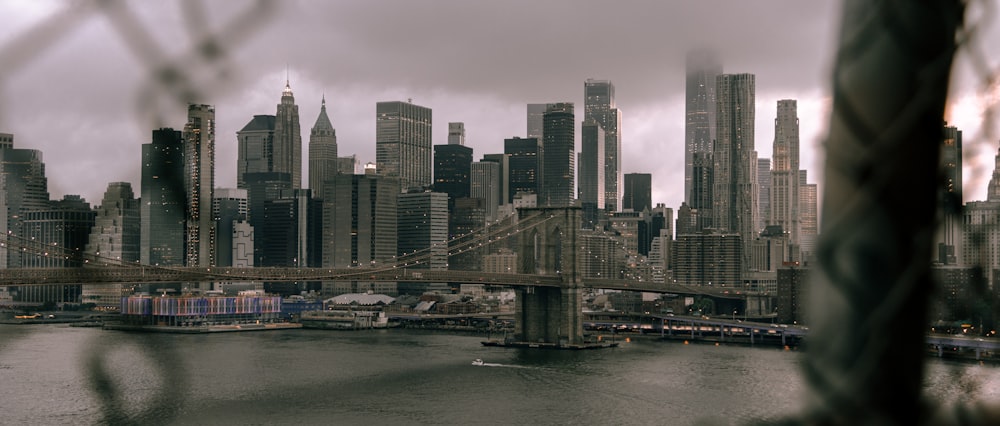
[{"x": 77, "y": 90}]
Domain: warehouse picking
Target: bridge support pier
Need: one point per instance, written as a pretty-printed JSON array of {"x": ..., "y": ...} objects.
[
  {"x": 552, "y": 316},
  {"x": 549, "y": 315}
]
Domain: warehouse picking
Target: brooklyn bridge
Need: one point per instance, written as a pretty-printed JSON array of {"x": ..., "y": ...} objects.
[{"x": 548, "y": 282}]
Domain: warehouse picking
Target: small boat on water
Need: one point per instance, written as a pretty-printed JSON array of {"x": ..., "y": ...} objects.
[{"x": 478, "y": 361}]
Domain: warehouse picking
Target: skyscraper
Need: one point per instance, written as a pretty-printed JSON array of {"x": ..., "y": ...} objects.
[
  {"x": 403, "y": 143},
  {"x": 557, "y": 187},
  {"x": 163, "y": 200},
  {"x": 699, "y": 109},
  {"x": 503, "y": 169},
  {"x": 948, "y": 237},
  {"x": 592, "y": 187},
  {"x": 638, "y": 192},
  {"x": 764, "y": 192},
  {"x": 359, "y": 220},
  {"x": 199, "y": 176},
  {"x": 456, "y": 134},
  {"x": 229, "y": 208},
  {"x": 785, "y": 190},
  {"x": 536, "y": 126},
  {"x": 484, "y": 180},
  {"x": 525, "y": 160},
  {"x": 323, "y": 162},
  {"x": 24, "y": 188},
  {"x": 452, "y": 168},
  {"x": 599, "y": 105},
  {"x": 809, "y": 212},
  {"x": 423, "y": 228},
  {"x": 288, "y": 138},
  {"x": 735, "y": 161},
  {"x": 65, "y": 227},
  {"x": 255, "y": 142},
  {"x": 113, "y": 240}
]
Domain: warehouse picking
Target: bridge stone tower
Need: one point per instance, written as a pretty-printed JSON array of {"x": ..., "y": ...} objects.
[{"x": 550, "y": 315}]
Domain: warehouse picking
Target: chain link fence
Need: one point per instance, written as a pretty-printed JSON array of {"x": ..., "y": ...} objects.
[{"x": 893, "y": 66}]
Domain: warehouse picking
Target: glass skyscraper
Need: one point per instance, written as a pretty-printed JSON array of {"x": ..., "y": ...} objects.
[{"x": 403, "y": 143}]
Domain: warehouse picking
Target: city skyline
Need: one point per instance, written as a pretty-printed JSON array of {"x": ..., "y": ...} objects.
[{"x": 785, "y": 44}]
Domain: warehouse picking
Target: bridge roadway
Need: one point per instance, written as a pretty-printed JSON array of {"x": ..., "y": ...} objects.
[{"x": 151, "y": 274}]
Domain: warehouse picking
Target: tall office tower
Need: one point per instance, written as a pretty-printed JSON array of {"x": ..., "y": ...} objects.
[
  {"x": 785, "y": 191},
  {"x": 288, "y": 232},
  {"x": 255, "y": 142},
  {"x": 599, "y": 105},
  {"x": 950, "y": 197},
  {"x": 708, "y": 258},
  {"x": 163, "y": 200},
  {"x": 525, "y": 159},
  {"x": 809, "y": 211},
  {"x": 764, "y": 192},
  {"x": 503, "y": 168},
  {"x": 199, "y": 177},
  {"x": 699, "y": 110},
  {"x": 592, "y": 169},
  {"x": 263, "y": 188},
  {"x": 466, "y": 222},
  {"x": 61, "y": 232},
  {"x": 403, "y": 143},
  {"x": 456, "y": 134},
  {"x": 114, "y": 240},
  {"x": 600, "y": 256},
  {"x": 423, "y": 228},
  {"x": 323, "y": 161},
  {"x": 348, "y": 166},
  {"x": 687, "y": 219},
  {"x": 981, "y": 237},
  {"x": 638, "y": 192},
  {"x": 483, "y": 183},
  {"x": 735, "y": 161},
  {"x": 558, "y": 186},
  {"x": 652, "y": 221},
  {"x": 288, "y": 138},
  {"x": 452, "y": 166},
  {"x": 536, "y": 124},
  {"x": 229, "y": 208},
  {"x": 626, "y": 224},
  {"x": 24, "y": 188},
  {"x": 702, "y": 191},
  {"x": 359, "y": 220}
]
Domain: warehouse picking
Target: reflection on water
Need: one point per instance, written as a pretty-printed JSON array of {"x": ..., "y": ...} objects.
[{"x": 66, "y": 375}]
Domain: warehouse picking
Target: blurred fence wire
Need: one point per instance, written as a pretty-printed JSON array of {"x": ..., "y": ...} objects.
[
  {"x": 890, "y": 83},
  {"x": 205, "y": 68}
]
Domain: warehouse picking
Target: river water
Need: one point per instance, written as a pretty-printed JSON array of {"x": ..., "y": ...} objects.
[{"x": 50, "y": 375}]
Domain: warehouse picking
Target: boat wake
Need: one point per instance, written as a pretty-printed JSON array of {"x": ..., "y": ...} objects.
[{"x": 480, "y": 363}]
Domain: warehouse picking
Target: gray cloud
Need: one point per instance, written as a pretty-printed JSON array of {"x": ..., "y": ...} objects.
[{"x": 474, "y": 62}]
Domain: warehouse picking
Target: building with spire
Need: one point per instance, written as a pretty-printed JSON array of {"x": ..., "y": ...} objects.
[
  {"x": 784, "y": 208},
  {"x": 288, "y": 138},
  {"x": 323, "y": 162},
  {"x": 199, "y": 176}
]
